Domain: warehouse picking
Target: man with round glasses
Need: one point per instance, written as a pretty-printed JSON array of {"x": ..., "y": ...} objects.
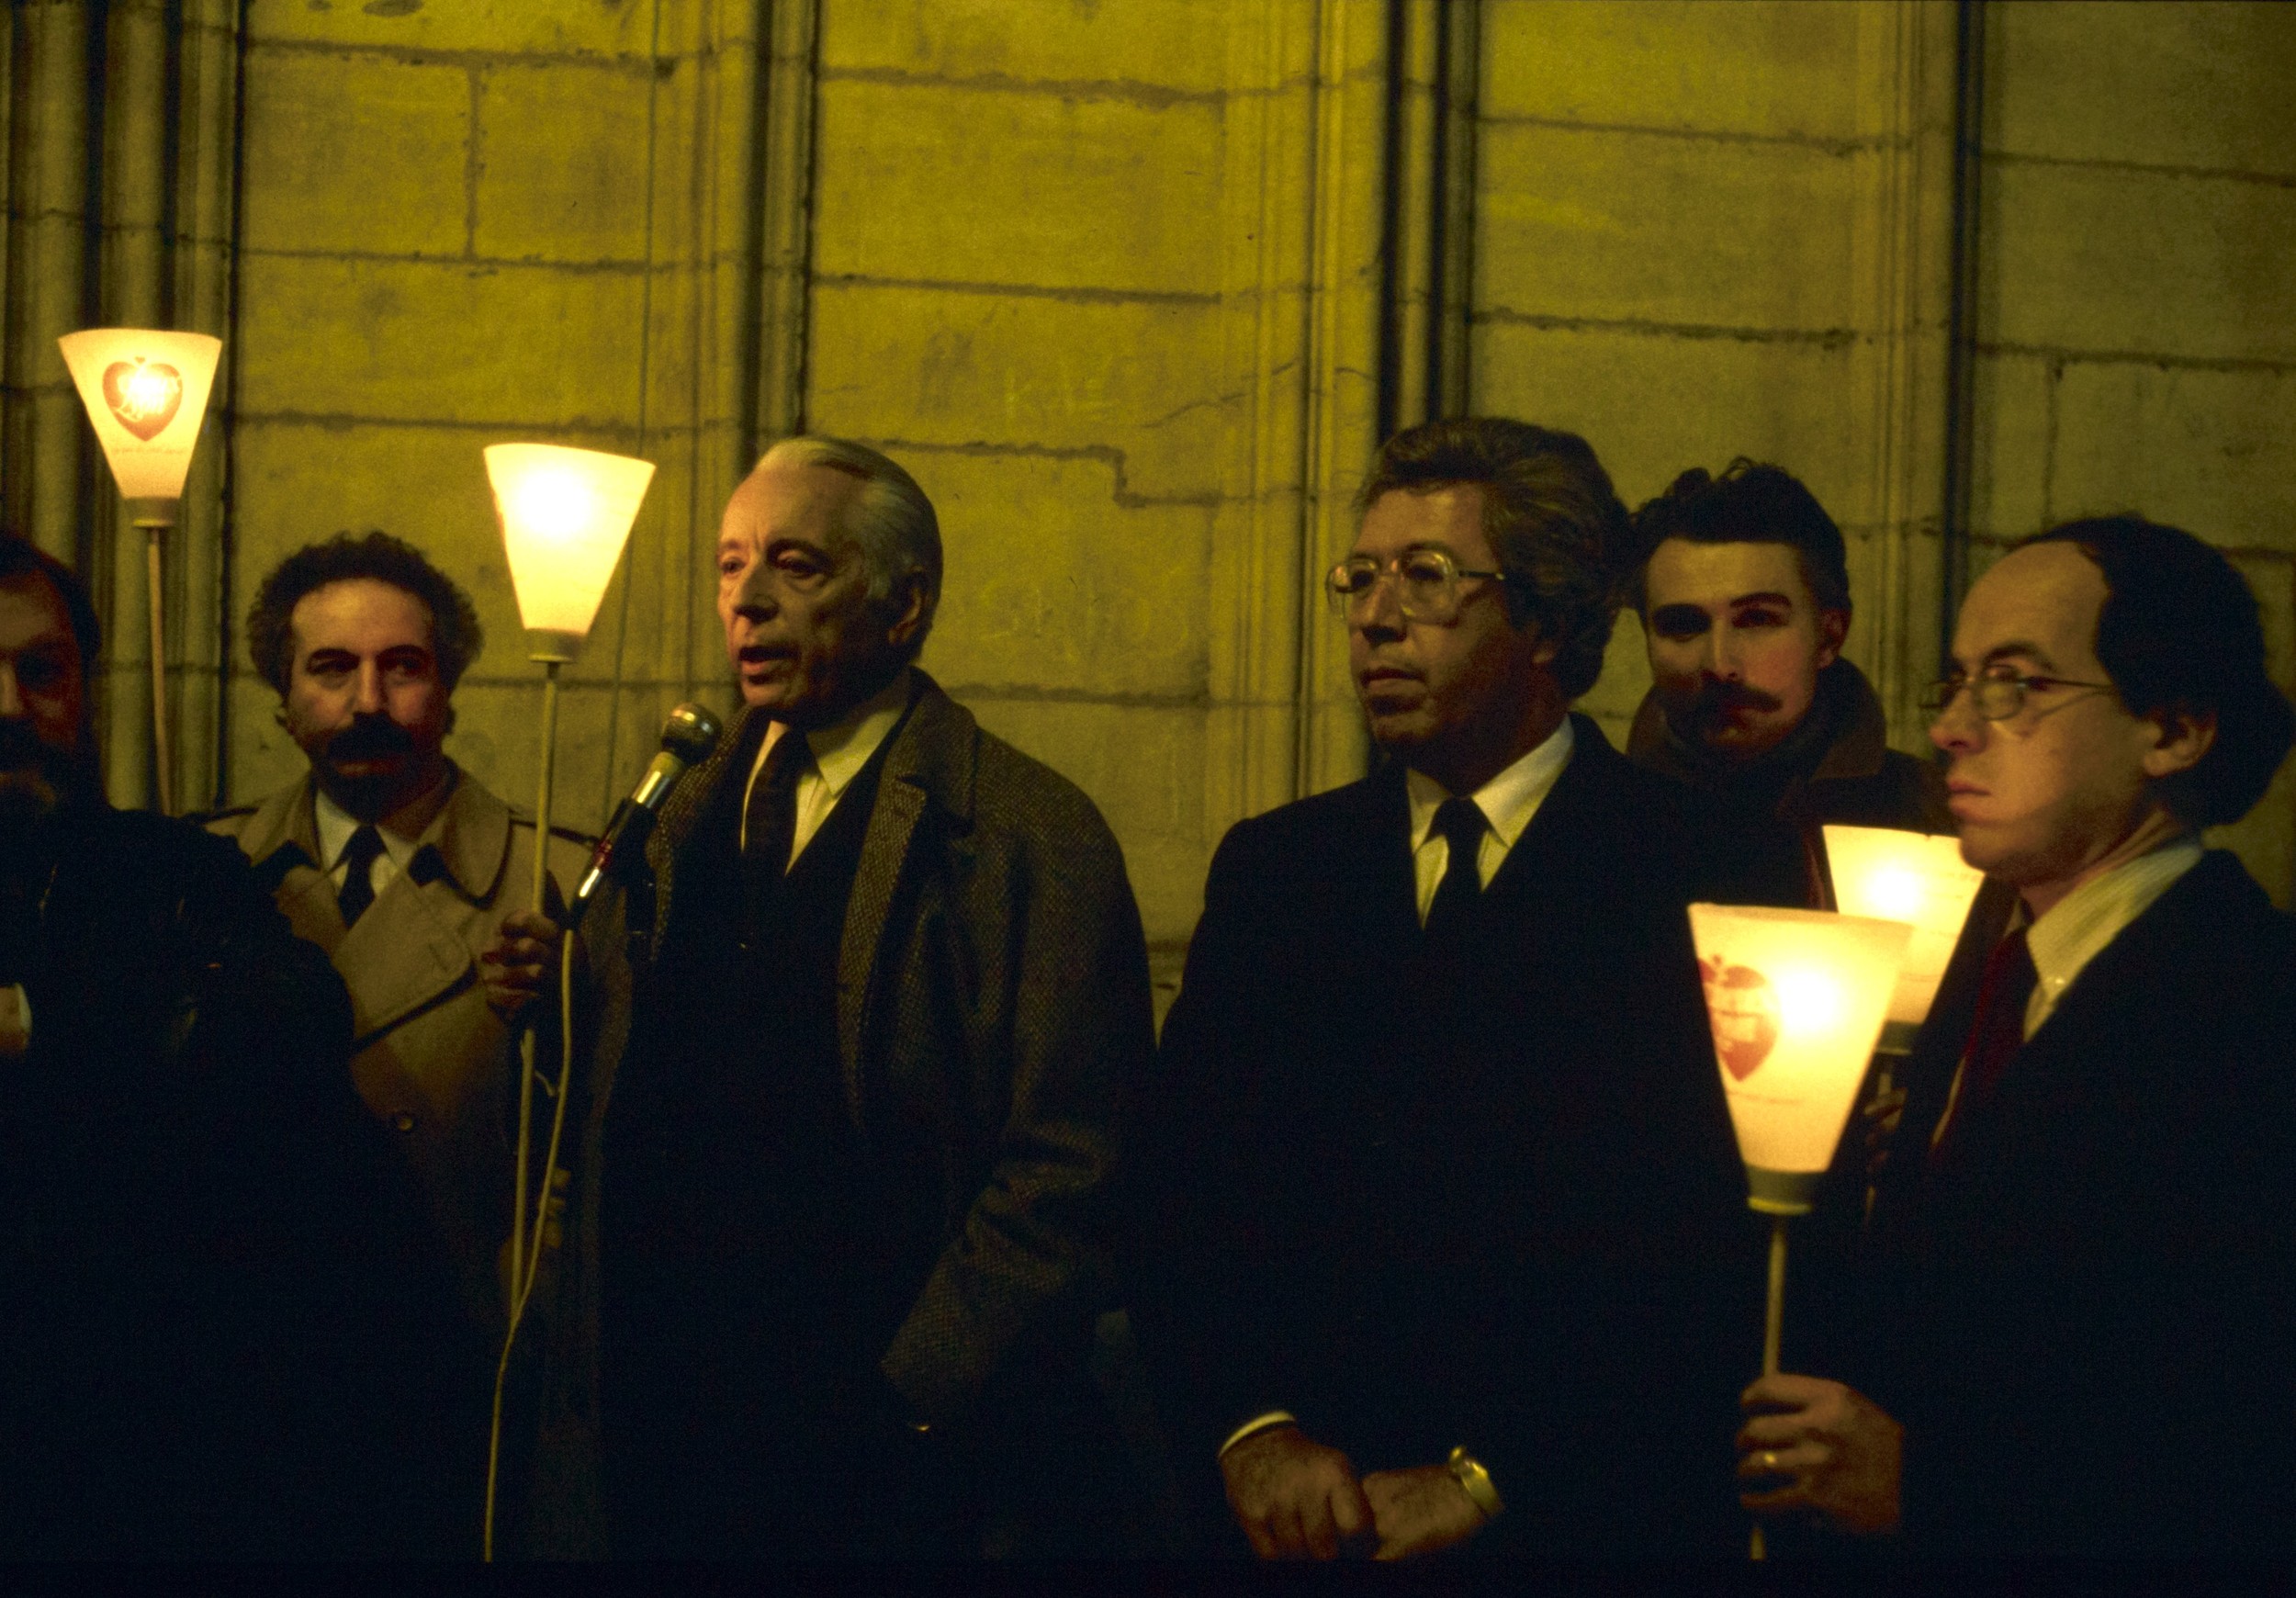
[
  {"x": 2083, "y": 1332},
  {"x": 1444, "y": 1197}
]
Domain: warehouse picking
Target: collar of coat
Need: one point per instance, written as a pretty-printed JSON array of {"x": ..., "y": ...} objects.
[
  {"x": 1855, "y": 741},
  {"x": 469, "y": 838},
  {"x": 930, "y": 763}
]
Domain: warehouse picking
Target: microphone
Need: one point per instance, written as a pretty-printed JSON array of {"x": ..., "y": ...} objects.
[{"x": 687, "y": 737}]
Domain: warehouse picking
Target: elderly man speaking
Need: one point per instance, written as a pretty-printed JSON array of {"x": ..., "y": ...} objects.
[{"x": 834, "y": 1233}]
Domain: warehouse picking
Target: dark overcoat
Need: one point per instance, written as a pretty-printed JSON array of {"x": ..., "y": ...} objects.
[
  {"x": 993, "y": 1023},
  {"x": 1484, "y": 1195},
  {"x": 2085, "y": 1316},
  {"x": 220, "y": 1326}
]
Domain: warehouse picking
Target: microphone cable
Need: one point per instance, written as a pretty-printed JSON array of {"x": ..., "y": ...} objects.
[{"x": 524, "y": 1272}]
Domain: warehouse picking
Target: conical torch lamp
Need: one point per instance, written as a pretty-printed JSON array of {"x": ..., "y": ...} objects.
[
  {"x": 566, "y": 513},
  {"x": 1917, "y": 878},
  {"x": 146, "y": 394},
  {"x": 1795, "y": 999}
]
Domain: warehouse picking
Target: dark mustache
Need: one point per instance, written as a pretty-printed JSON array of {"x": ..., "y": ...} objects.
[
  {"x": 1715, "y": 698},
  {"x": 370, "y": 737}
]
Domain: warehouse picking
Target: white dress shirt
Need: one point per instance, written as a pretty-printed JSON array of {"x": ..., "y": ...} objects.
[
  {"x": 2083, "y": 924},
  {"x": 401, "y": 832},
  {"x": 839, "y": 752},
  {"x": 1508, "y": 802}
]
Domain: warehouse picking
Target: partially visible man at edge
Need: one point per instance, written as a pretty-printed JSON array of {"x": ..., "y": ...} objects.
[
  {"x": 2084, "y": 1331},
  {"x": 835, "y": 1245},
  {"x": 1744, "y": 595},
  {"x": 213, "y": 1284},
  {"x": 1441, "y": 1204}
]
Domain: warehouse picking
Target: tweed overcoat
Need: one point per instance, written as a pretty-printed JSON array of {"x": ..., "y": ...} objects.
[{"x": 992, "y": 987}]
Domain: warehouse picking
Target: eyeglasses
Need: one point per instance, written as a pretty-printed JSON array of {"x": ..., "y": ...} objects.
[
  {"x": 1997, "y": 696},
  {"x": 1427, "y": 581}
]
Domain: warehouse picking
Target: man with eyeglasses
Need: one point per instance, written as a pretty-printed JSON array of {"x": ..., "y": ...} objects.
[
  {"x": 1444, "y": 1200},
  {"x": 2082, "y": 1341}
]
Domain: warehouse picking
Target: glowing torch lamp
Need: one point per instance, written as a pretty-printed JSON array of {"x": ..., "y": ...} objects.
[
  {"x": 146, "y": 394},
  {"x": 566, "y": 513},
  {"x": 1889, "y": 875},
  {"x": 1795, "y": 999}
]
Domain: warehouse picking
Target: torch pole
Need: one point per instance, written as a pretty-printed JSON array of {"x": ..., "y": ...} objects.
[
  {"x": 155, "y": 517},
  {"x": 526, "y": 1037},
  {"x": 1773, "y": 1334}
]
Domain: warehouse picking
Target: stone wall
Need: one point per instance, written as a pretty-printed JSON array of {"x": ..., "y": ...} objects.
[
  {"x": 1109, "y": 278},
  {"x": 2137, "y": 318}
]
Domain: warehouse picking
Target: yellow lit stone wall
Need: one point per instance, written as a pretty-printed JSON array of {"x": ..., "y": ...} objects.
[
  {"x": 470, "y": 222},
  {"x": 1106, "y": 276},
  {"x": 1016, "y": 279},
  {"x": 2137, "y": 305},
  {"x": 1674, "y": 233}
]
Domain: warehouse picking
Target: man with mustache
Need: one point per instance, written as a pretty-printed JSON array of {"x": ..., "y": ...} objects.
[
  {"x": 213, "y": 1281},
  {"x": 1744, "y": 595},
  {"x": 1443, "y": 1202},
  {"x": 2084, "y": 1336},
  {"x": 837, "y": 1240},
  {"x": 409, "y": 873}
]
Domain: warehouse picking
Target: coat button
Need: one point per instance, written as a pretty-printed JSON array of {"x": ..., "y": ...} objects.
[{"x": 404, "y": 1121}]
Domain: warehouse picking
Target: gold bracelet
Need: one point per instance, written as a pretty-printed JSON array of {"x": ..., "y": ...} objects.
[{"x": 1477, "y": 1481}]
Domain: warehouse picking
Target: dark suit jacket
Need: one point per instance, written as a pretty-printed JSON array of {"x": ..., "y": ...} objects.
[
  {"x": 993, "y": 1023},
  {"x": 224, "y": 1331},
  {"x": 1490, "y": 1201},
  {"x": 2084, "y": 1317}
]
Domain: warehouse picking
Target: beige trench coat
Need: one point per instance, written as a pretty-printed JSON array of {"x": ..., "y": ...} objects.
[{"x": 430, "y": 1058}]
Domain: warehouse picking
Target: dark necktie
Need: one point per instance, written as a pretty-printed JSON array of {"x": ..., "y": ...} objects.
[
  {"x": 358, "y": 879},
  {"x": 2003, "y": 994},
  {"x": 768, "y": 826},
  {"x": 1461, "y": 825}
]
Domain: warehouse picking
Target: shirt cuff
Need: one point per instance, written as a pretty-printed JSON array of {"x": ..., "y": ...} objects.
[{"x": 1256, "y": 1425}]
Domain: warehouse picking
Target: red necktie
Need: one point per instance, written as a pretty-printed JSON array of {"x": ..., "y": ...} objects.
[{"x": 1998, "y": 1032}]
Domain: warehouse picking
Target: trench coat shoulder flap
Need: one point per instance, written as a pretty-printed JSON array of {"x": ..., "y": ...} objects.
[{"x": 420, "y": 941}]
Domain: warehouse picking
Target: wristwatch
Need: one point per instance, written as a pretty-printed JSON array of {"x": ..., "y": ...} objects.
[{"x": 1477, "y": 1482}]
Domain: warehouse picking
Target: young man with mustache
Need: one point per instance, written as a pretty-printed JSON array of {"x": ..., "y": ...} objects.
[
  {"x": 1443, "y": 1200},
  {"x": 408, "y": 872},
  {"x": 1744, "y": 594},
  {"x": 2084, "y": 1331},
  {"x": 215, "y": 1283}
]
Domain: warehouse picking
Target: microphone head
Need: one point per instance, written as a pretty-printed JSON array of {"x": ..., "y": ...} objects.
[{"x": 690, "y": 733}]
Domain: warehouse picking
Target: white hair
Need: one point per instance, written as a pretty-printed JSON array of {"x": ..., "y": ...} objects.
[{"x": 891, "y": 519}]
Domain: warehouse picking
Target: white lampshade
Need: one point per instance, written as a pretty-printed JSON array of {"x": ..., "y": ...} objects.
[
  {"x": 1796, "y": 1001},
  {"x": 1913, "y": 877},
  {"x": 566, "y": 513},
  {"x": 147, "y": 394}
]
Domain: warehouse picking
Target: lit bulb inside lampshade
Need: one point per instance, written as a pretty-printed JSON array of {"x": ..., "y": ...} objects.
[
  {"x": 146, "y": 394},
  {"x": 1795, "y": 999},
  {"x": 566, "y": 513},
  {"x": 1912, "y": 877}
]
